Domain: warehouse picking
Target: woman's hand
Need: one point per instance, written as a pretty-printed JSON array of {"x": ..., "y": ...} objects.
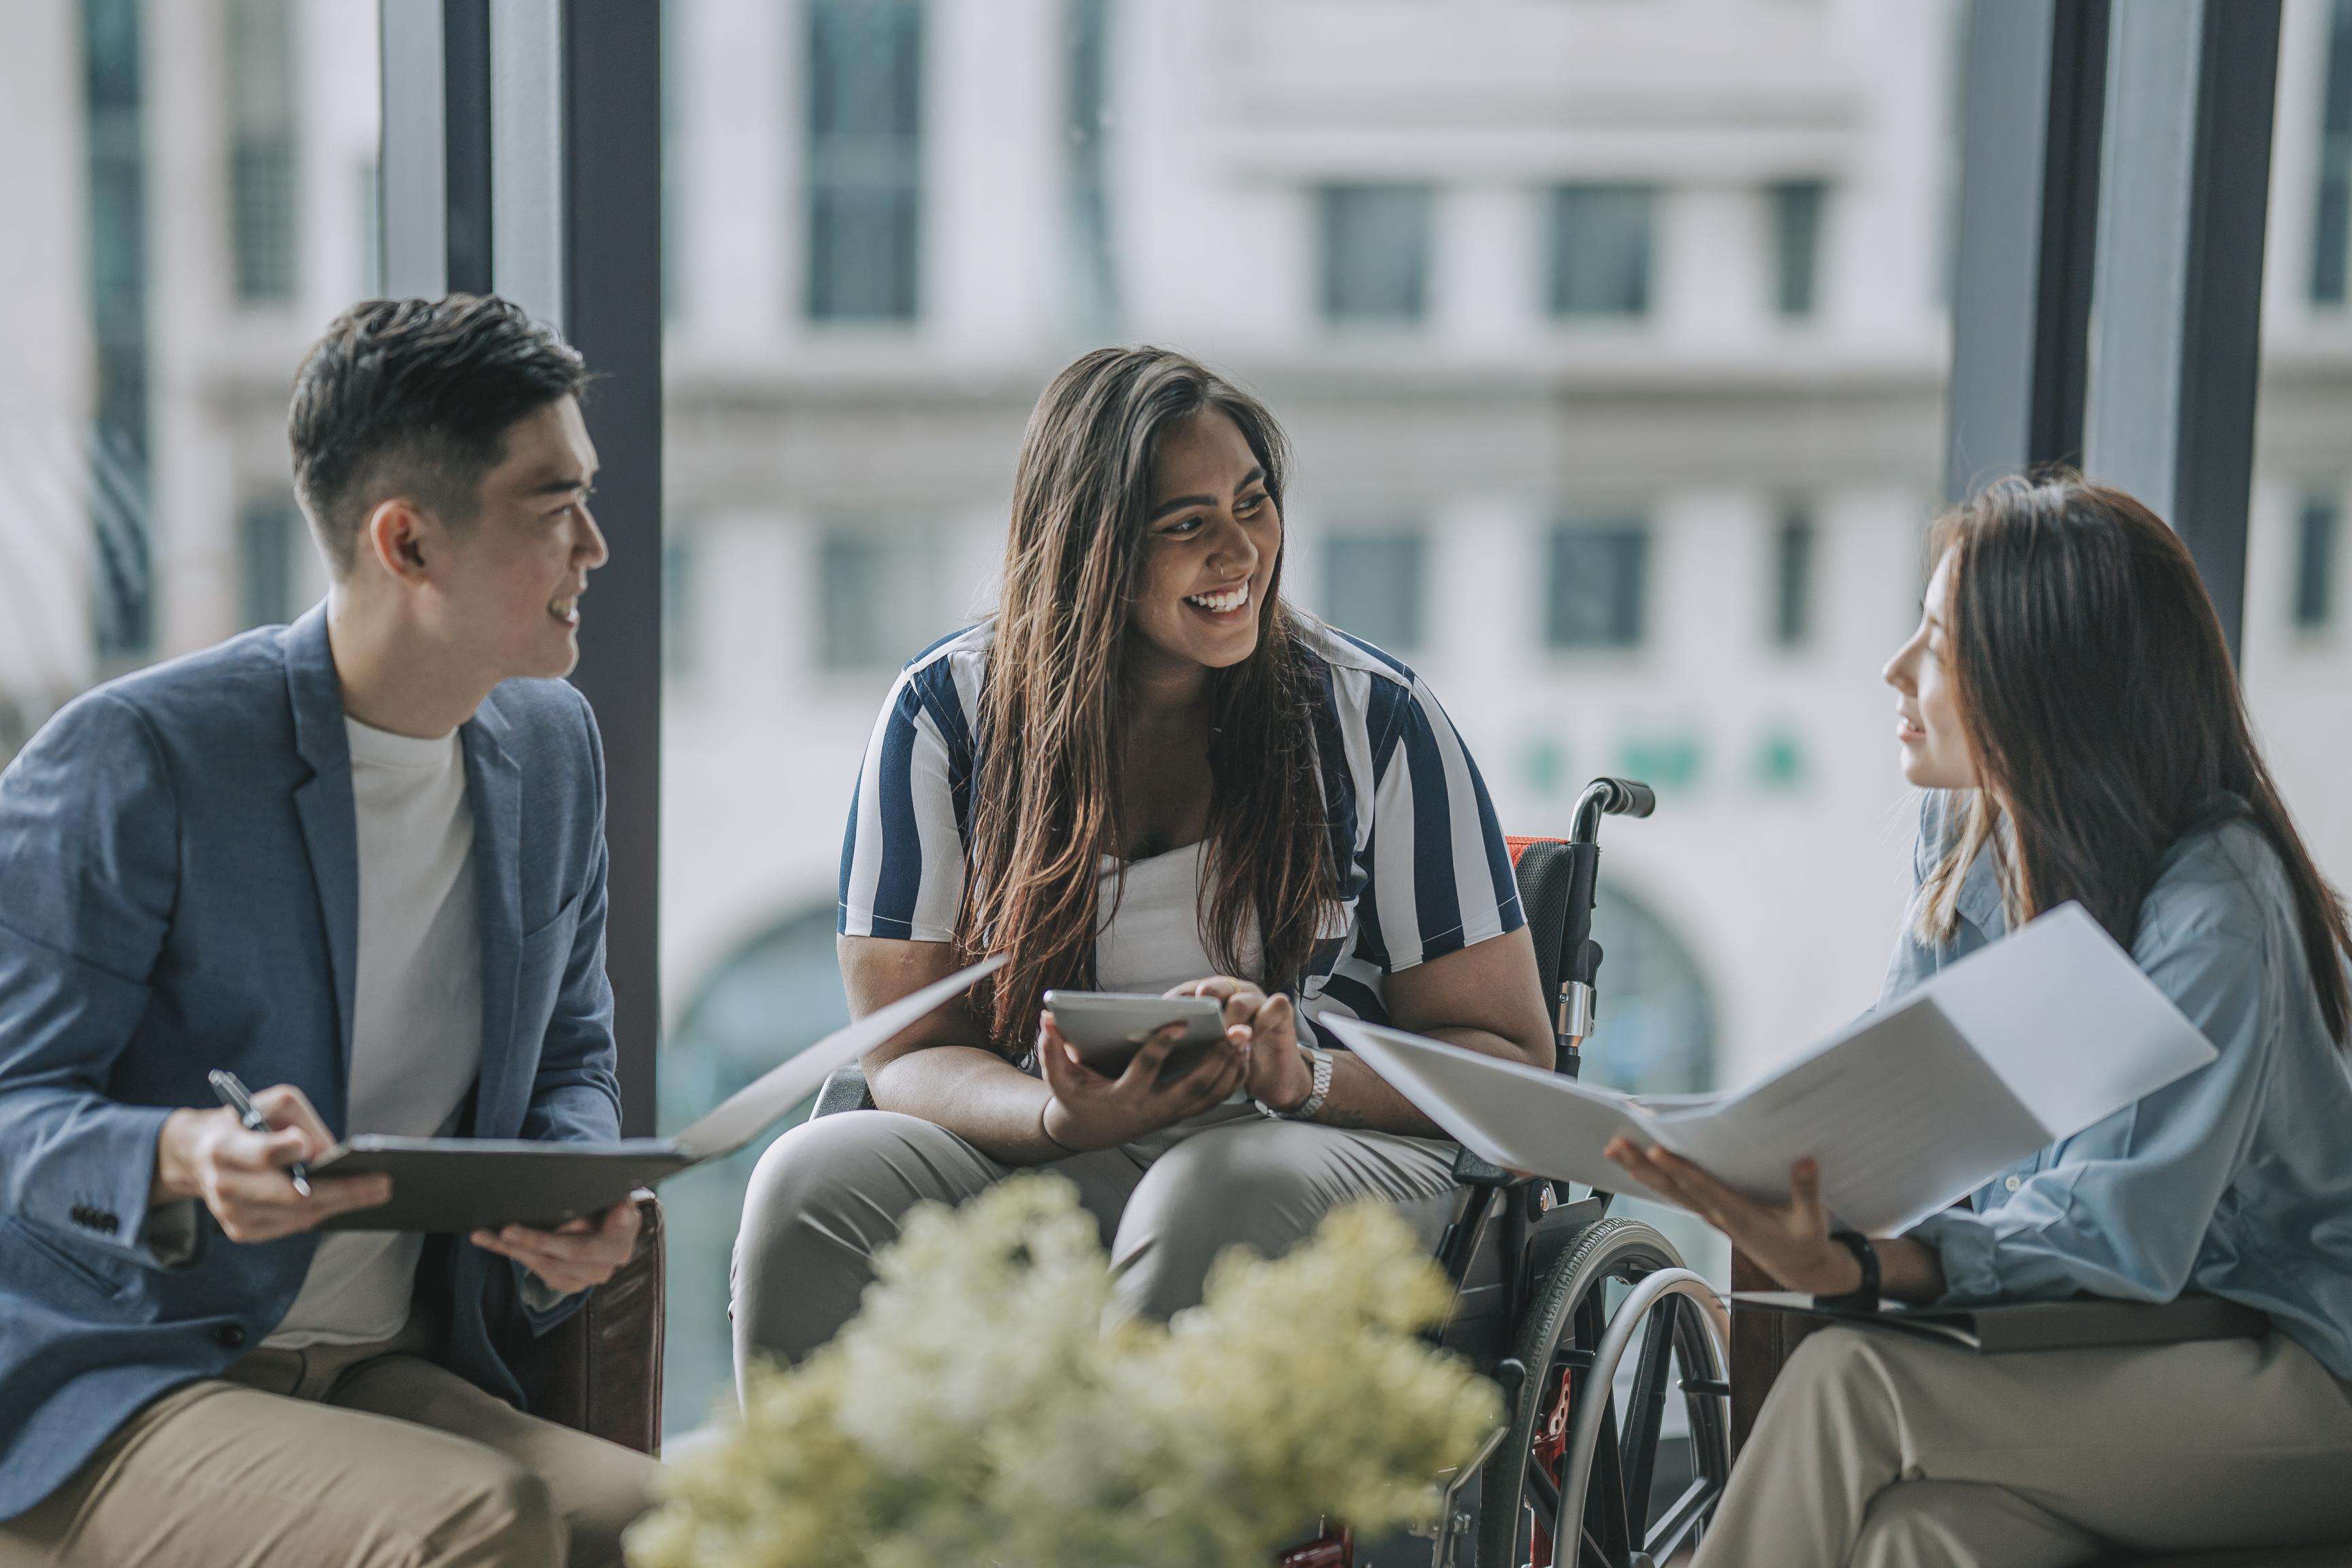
[
  {"x": 1267, "y": 1027},
  {"x": 1789, "y": 1241},
  {"x": 1092, "y": 1110}
]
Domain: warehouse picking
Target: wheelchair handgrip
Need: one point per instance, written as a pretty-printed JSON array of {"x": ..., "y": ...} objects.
[{"x": 1632, "y": 798}]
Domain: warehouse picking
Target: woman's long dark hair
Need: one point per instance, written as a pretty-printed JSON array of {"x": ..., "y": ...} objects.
[
  {"x": 2098, "y": 697},
  {"x": 1045, "y": 802}
]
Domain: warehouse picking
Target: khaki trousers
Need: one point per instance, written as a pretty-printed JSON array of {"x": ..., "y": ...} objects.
[
  {"x": 337, "y": 1457},
  {"x": 831, "y": 1193},
  {"x": 1879, "y": 1450}
]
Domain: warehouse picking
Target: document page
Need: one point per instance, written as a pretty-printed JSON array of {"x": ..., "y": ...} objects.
[
  {"x": 1902, "y": 1115},
  {"x": 754, "y": 1108},
  {"x": 1508, "y": 1113},
  {"x": 2025, "y": 1042},
  {"x": 2068, "y": 1021}
]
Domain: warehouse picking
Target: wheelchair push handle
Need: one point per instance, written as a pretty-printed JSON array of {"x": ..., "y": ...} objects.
[
  {"x": 1612, "y": 797},
  {"x": 1579, "y": 958}
]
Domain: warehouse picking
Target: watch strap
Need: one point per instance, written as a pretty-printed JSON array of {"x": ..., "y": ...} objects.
[
  {"x": 1863, "y": 1298},
  {"x": 1319, "y": 1062}
]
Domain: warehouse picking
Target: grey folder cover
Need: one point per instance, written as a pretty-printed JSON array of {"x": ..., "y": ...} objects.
[
  {"x": 2080, "y": 1324},
  {"x": 463, "y": 1183}
]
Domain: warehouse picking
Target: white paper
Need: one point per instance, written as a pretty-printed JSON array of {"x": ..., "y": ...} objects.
[
  {"x": 751, "y": 1109},
  {"x": 2068, "y": 1021},
  {"x": 2034, "y": 1038}
]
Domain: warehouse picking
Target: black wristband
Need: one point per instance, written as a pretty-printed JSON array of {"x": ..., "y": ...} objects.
[{"x": 1863, "y": 1298}]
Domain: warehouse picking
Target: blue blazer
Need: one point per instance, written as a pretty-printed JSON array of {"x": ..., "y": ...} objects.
[{"x": 179, "y": 888}]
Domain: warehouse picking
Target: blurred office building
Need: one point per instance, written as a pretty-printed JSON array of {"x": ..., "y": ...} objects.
[{"x": 1611, "y": 334}]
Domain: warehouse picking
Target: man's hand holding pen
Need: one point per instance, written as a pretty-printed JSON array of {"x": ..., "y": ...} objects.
[{"x": 242, "y": 1175}]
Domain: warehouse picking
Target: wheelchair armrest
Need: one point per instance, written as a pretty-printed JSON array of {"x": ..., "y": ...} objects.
[
  {"x": 845, "y": 1089},
  {"x": 602, "y": 1365},
  {"x": 1471, "y": 1172}
]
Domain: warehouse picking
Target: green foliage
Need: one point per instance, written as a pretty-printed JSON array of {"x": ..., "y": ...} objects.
[{"x": 980, "y": 1412}]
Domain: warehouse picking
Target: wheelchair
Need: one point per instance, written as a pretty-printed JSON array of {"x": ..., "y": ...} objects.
[{"x": 1589, "y": 1321}]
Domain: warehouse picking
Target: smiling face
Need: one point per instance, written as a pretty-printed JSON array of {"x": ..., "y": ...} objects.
[
  {"x": 508, "y": 585},
  {"x": 1936, "y": 749},
  {"x": 1211, "y": 545}
]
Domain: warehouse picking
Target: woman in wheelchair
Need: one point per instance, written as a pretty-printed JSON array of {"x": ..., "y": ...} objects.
[
  {"x": 2069, "y": 703},
  {"x": 1144, "y": 772}
]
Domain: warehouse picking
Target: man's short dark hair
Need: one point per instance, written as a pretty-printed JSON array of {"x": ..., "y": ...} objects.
[{"x": 413, "y": 397}]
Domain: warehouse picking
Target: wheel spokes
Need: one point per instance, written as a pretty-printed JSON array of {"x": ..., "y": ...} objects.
[
  {"x": 1645, "y": 1411},
  {"x": 1683, "y": 1517}
]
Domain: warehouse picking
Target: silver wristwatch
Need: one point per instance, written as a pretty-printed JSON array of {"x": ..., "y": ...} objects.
[{"x": 1320, "y": 1061}]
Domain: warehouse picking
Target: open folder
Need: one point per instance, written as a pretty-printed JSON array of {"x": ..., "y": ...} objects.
[
  {"x": 2026, "y": 1041},
  {"x": 462, "y": 1183}
]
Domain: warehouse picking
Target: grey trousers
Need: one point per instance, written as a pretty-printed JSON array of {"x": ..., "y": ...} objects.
[
  {"x": 829, "y": 1194},
  {"x": 1877, "y": 1450}
]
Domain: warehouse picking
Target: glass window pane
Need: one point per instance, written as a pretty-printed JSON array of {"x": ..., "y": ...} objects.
[
  {"x": 261, "y": 148},
  {"x": 271, "y": 533},
  {"x": 2296, "y": 655},
  {"x": 1601, "y": 250},
  {"x": 1446, "y": 295},
  {"x": 1792, "y": 580},
  {"x": 1372, "y": 586},
  {"x": 1375, "y": 253},
  {"x": 1796, "y": 244},
  {"x": 1094, "y": 283},
  {"x": 865, "y": 158},
  {"x": 2331, "y": 226},
  {"x": 144, "y": 486},
  {"x": 1599, "y": 575},
  {"x": 2315, "y": 563}
]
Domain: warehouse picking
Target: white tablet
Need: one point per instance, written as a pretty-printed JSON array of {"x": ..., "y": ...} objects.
[{"x": 1110, "y": 1026}]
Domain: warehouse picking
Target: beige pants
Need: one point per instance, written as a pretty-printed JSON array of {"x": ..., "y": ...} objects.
[
  {"x": 829, "y": 1194},
  {"x": 337, "y": 1457},
  {"x": 1879, "y": 1450}
]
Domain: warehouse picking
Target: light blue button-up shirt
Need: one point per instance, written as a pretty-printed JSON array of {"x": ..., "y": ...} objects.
[{"x": 2235, "y": 1181}]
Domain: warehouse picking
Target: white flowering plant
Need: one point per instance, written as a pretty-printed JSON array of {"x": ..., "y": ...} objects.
[{"x": 979, "y": 1411}]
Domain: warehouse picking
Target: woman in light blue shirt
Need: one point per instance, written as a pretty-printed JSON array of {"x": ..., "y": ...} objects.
[{"x": 2069, "y": 703}]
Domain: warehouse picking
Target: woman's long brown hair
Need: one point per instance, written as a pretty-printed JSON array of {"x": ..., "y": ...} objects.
[
  {"x": 1046, "y": 800},
  {"x": 2098, "y": 697}
]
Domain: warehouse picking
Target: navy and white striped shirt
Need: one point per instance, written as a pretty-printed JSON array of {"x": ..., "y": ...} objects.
[{"x": 1409, "y": 821}]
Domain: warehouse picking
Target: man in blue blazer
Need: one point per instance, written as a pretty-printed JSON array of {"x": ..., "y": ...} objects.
[{"x": 359, "y": 860}]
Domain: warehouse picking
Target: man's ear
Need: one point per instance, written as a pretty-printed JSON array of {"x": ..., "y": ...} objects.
[{"x": 399, "y": 536}]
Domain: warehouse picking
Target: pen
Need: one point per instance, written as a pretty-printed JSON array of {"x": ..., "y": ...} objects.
[{"x": 233, "y": 1094}]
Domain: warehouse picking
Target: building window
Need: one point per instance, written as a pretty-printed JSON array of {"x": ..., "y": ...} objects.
[
  {"x": 1371, "y": 586},
  {"x": 1796, "y": 244},
  {"x": 1599, "y": 585},
  {"x": 679, "y": 593},
  {"x": 673, "y": 66},
  {"x": 269, "y": 532},
  {"x": 371, "y": 185},
  {"x": 2315, "y": 563},
  {"x": 865, "y": 158},
  {"x": 875, "y": 597},
  {"x": 1093, "y": 279},
  {"x": 1601, "y": 250},
  {"x": 2332, "y": 221},
  {"x": 261, "y": 149},
  {"x": 124, "y": 588},
  {"x": 1792, "y": 580},
  {"x": 1375, "y": 253}
]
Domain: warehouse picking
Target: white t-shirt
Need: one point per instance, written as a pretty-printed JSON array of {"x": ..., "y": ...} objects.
[
  {"x": 416, "y": 1015},
  {"x": 1151, "y": 942}
]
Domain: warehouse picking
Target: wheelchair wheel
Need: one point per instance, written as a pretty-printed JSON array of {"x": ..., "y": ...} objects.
[{"x": 1572, "y": 1484}]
